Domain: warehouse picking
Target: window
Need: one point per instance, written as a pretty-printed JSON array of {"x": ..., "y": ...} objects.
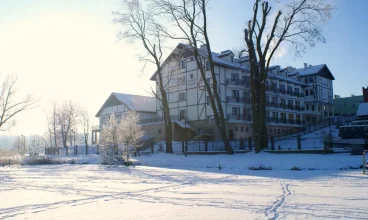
[
  {"x": 306, "y": 93},
  {"x": 282, "y": 88},
  {"x": 274, "y": 116},
  {"x": 235, "y": 93},
  {"x": 118, "y": 117},
  {"x": 246, "y": 129},
  {"x": 290, "y": 104},
  {"x": 274, "y": 85},
  {"x": 182, "y": 96},
  {"x": 274, "y": 130},
  {"x": 283, "y": 103},
  {"x": 296, "y": 91},
  {"x": 182, "y": 114},
  {"x": 236, "y": 128},
  {"x": 312, "y": 107},
  {"x": 311, "y": 79},
  {"x": 278, "y": 130},
  {"x": 297, "y": 104},
  {"x": 311, "y": 92},
  {"x": 208, "y": 101},
  {"x": 208, "y": 66},
  {"x": 306, "y": 80},
  {"x": 192, "y": 59},
  {"x": 236, "y": 110},
  {"x": 231, "y": 59},
  {"x": 181, "y": 80},
  {"x": 234, "y": 76},
  {"x": 266, "y": 84},
  {"x": 182, "y": 64},
  {"x": 270, "y": 130},
  {"x": 241, "y": 129},
  {"x": 319, "y": 108},
  {"x": 306, "y": 106},
  {"x": 289, "y": 89},
  {"x": 159, "y": 131}
]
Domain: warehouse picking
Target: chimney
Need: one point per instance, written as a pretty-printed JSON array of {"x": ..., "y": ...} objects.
[
  {"x": 203, "y": 47},
  {"x": 305, "y": 65},
  {"x": 310, "y": 65}
]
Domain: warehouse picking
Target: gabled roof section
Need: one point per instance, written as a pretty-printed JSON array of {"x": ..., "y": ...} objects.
[
  {"x": 132, "y": 102},
  {"x": 321, "y": 70},
  {"x": 187, "y": 51}
]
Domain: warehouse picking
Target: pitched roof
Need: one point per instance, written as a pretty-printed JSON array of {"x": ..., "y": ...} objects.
[
  {"x": 312, "y": 70},
  {"x": 132, "y": 102}
]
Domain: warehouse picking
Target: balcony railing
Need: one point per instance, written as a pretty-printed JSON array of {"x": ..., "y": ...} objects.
[
  {"x": 240, "y": 100},
  {"x": 236, "y": 82},
  {"x": 283, "y": 91},
  {"x": 241, "y": 117}
]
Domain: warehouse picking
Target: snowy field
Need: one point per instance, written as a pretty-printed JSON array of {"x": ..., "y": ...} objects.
[{"x": 175, "y": 187}]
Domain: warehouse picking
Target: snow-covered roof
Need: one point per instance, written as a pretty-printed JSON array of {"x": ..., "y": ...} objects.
[
  {"x": 285, "y": 79},
  {"x": 362, "y": 109},
  {"x": 133, "y": 102},
  {"x": 311, "y": 70}
]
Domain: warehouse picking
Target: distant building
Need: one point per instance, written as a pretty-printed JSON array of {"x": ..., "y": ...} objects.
[
  {"x": 347, "y": 105},
  {"x": 120, "y": 103},
  {"x": 365, "y": 94}
]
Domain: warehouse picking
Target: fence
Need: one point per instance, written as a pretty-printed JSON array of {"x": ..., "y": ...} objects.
[
  {"x": 73, "y": 150},
  {"x": 313, "y": 127}
]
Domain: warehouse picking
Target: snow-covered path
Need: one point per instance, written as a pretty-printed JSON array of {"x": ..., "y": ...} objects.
[{"x": 101, "y": 192}]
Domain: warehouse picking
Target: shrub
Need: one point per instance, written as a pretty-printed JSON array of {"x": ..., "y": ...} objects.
[
  {"x": 295, "y": 168},
  {"x": 260, "y": 167}
]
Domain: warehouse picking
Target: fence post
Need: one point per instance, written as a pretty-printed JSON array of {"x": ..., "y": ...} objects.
[
  {"x": 250, "y": 143},
  {"x": 182, "y": 146},
  {"x": 272, "y": 143},
  {"x": 206, "y": 145},
  {"x": 364, "y": 162},
  {"x": 98, "y": 150},
  {"x": 299, "y": 143}
]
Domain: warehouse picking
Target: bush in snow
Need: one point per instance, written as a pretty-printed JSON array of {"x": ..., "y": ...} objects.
[
  {"x": 260, "y": 167},
  {"x": 295, "y": 168},
  {"x": 119, "y": 138}
]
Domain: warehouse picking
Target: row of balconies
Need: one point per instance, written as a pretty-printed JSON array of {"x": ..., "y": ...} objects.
[
  {"x": 285, "y": 106},
  {"x": 241, "y": 100},
  {"x": 237, "y": 82},
  {"x": 248, "y": 118},
  {"x": 283, "y": 91}
]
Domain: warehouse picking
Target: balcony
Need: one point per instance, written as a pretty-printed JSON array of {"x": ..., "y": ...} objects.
[
  {"x": 240, "y": 100},
  {"x": 240, "y": 117},
  {"x": 236, "y": 82}
]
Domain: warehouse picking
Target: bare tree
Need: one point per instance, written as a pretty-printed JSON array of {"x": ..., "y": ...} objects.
[
  {"x": 190, "y": 17},
  {"x": 53, "y": 129},
  {"x": 35, "y": 145},
  {"x": 140, "y": 25},
  {"x": 131, "y": 132},
  {"x": 299, "y": 24},
  {"x": 10, "y": 105},
  {"x": 67, "y": 118},
  {"x": 86, "y": 125}
]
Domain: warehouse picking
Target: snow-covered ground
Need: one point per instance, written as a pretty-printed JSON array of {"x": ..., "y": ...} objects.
[{"x": 178, "y": 187}]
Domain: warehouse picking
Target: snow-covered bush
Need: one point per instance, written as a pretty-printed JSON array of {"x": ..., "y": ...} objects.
[{"x": 119, "y": 138}]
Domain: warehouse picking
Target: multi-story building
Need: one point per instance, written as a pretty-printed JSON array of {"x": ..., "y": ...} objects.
[
  {"x": 318, "y": 91},
  {"x": 294, "y": 97}
]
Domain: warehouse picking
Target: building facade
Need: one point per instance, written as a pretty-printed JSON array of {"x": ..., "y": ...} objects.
[
  {"x": 294, "y": 97},
  {"x": 347, "y": 105}
]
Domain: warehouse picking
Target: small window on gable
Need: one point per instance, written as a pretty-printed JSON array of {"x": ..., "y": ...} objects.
[
  {"x": 207, "y": 65},
  {"x": 182, "y": 64},
  {"x": 232, "y": 59}
]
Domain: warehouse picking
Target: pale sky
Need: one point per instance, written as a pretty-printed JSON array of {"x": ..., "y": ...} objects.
[{"x": 68, "y": 50}]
